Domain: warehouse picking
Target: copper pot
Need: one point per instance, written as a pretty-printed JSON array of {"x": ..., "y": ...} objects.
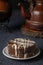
[
  {"x": 34, "y": 26},
  {"x": 4, "y": 10},
  {"x": 36, "y": 21},
  {"x": 25, "y": 9},
  {"x": 24, "y": 13}
]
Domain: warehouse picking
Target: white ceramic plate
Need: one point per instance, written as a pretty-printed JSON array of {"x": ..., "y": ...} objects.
[{"x": 5, "y": 53}]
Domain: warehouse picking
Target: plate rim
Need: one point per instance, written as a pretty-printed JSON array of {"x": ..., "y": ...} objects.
[{"x": 15, "y": 58}]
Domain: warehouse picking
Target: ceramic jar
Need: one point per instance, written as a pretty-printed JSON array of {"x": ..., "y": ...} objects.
[
  {"x": 36, "y": 21},
  {"x": 4, "y": 10}
]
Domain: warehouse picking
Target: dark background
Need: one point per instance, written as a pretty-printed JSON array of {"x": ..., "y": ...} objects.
[
  {"x": 16, "y": 20},
  {"x": 16, "y": 14}
]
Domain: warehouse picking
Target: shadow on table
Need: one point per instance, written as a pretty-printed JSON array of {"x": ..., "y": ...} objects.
[{"x": 38, "y": 57}]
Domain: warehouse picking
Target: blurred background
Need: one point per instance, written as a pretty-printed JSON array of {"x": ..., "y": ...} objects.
[{"x": 17, "y": 19}]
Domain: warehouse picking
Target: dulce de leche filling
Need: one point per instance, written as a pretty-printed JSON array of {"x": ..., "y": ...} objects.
[{"x": 21, "y": 48}]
